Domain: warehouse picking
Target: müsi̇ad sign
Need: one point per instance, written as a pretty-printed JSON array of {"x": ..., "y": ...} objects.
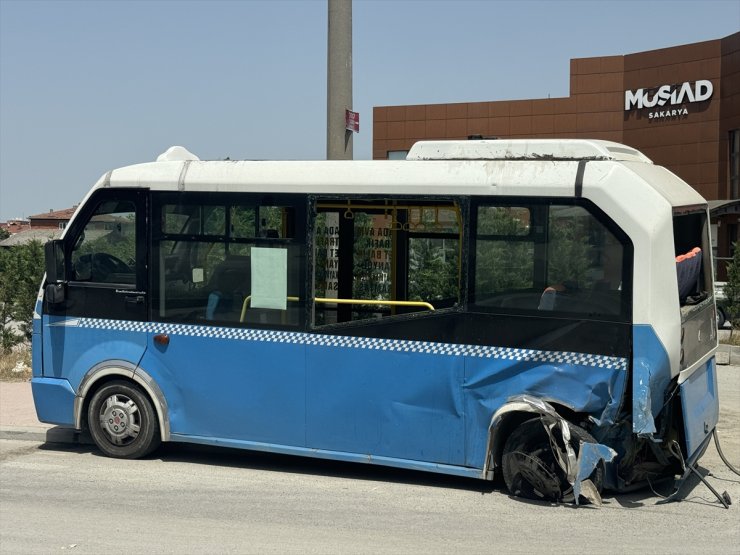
[{"x": 668, "y": 101}]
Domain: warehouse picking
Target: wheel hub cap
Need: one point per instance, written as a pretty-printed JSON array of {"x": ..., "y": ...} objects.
[{"x": 119, "y": 419}]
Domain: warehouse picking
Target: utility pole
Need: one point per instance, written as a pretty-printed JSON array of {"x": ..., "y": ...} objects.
[{"x": 339, "y": 80}]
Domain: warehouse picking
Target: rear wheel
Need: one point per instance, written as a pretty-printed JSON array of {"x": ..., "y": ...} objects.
[
  {"x": 529, "y": 466},
  {"x": 122, "y": 421}
]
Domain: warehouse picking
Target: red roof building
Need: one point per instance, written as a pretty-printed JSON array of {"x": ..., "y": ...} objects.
[{"x": 53, "y": 219}]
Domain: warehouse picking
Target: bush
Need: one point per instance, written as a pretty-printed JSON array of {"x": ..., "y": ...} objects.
[
  {"x": 15, "y": 365},
  {"x": 732, "y": 288},
  {"x": 21, "y": 270}
]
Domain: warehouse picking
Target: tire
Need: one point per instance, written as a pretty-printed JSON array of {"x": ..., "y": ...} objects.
[
  {"x": 529, "y": 466},
  {"x": 720, "y": 318},
  {"x": 122, "y": 421}
]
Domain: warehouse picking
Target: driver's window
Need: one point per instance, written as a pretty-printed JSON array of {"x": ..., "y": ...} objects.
[{"x": 105, "y": 252}]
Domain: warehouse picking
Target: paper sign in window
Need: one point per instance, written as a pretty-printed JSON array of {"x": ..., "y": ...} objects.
[{"x": 269, "y": 278}]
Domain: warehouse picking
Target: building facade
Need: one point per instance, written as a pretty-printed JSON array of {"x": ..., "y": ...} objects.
[{"x": 680, "y": 106}]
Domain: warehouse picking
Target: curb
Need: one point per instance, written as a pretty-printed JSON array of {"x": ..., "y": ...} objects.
[
  {"x": 57, "y": 434},
  {"x": 728, "y": 354}
]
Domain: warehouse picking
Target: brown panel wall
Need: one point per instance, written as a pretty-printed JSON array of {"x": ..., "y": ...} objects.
[
  {"x": 693, "y": 145},
  {"x": 686, "y": 144}
]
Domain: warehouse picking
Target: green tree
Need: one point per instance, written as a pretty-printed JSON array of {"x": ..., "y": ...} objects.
[
  {"x": 569, "y": 252},
  {"x": 21, "y": 270},
  {"x": 432, "y": 270},
  {"x": 4, "y": 233},
  {"x": 503, "y": 264},
  {"x": 732, "y": 287}
]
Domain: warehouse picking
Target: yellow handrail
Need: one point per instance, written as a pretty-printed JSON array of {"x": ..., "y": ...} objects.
[
  {"x": 429, "y": 306},
  {"x": 374, "y": 302}
]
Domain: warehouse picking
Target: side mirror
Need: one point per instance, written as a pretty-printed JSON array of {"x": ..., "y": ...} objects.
[
  {"x": 54, "y": 258},
  {"x": 54, "y": 255},
  {"x": 54, "y": 293}
]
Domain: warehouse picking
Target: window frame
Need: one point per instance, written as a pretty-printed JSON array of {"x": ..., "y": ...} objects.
[
  {"x": 541, "y": 258},
  {"x": 138, "y": 198},
  {"x": 402, "y": 200},
  {"x": 296, "y": 202}
]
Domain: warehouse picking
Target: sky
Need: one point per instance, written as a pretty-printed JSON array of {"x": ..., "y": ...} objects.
[{"x": 88, "y": 86}]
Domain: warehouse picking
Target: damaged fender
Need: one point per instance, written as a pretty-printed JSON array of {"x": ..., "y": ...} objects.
[
  {"x": 651, "y": 374},
  {"x": 577, "y": 469}
]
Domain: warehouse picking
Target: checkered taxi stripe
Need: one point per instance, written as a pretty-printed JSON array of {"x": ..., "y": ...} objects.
[{"x": 398, "y": 345}]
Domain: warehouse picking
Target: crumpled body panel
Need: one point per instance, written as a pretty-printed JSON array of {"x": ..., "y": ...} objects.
[
  {"x": 583, "y": 383},
  {"x": 651, "y": 374}
]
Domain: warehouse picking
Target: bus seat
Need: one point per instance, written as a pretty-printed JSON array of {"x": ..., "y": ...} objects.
[
  {"x": 550, "y": 297},
  {"x": 229, "y": 285},
  {"x": 688, "y": 269}
]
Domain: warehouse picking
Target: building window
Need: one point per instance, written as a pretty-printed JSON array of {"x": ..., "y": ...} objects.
[
  {"x": 735, "y": 163},
  {"x": 62, "y": 225},
  {"x": 397, "y": 154}
]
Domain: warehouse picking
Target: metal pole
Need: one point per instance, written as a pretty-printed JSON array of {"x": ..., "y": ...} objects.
[{"x": 339, "y": 80}]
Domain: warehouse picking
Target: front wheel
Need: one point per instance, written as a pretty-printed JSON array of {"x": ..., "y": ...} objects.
[
  {"x": 529, "y": 465},
  {"x": 122, "y": 421}
]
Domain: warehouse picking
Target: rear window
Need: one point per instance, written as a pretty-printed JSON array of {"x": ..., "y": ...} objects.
[
  {"x": 693, "y": 256},
  {"x": 695, "y": 288}
]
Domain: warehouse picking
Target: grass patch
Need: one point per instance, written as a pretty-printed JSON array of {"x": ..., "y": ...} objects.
[{"x": 16, "y": 365}]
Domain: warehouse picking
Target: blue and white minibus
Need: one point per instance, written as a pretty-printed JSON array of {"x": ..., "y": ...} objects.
[{"x": 538, "y": 310}]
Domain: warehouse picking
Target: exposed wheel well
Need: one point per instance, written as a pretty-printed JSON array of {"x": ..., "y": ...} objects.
[{"x": 510, "y": 421}]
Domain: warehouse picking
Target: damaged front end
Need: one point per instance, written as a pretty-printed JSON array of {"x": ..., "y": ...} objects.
[
  {"x": 547, "y": 457},
  {"x": 672, "y": 418},
  {"x": 546, "y": 453}
]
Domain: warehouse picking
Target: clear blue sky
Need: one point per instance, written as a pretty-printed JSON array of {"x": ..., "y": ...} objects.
[{"x": 89, "y": 86}]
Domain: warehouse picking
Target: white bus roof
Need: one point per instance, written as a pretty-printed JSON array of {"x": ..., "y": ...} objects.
[
  {"x": 525, "y": 149},
  {"x": 542, "y": 167}
]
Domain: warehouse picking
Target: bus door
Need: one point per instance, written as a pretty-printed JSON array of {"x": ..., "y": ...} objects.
[
  {"x": 105, "y": 294},
  {"x": 384, "y": 270}
]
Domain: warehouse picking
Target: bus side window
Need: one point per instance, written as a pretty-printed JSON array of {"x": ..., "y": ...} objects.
[
  {"x": 403, "y": 251},
  {"x": 542, "y": 257},
  {"x": 505, "y": 255},
  {"x": 203, "y": 248},
  {"x": 105, "y": 252}
]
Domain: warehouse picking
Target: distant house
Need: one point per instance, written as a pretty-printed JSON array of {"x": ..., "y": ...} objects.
[
  {"x": 41, "y": 227},
  {"x": 53, "y": 219},
  {"x": 15, "y": 226}
]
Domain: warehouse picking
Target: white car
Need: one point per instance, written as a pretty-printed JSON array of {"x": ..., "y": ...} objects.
[{"x": 723, "y": 306}]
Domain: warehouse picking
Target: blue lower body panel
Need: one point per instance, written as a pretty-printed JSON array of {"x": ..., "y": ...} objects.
[
  {"x": 333, "y": 455},
  {"x": 700, "y": 406},
  {"x": 54, "y": 400}
]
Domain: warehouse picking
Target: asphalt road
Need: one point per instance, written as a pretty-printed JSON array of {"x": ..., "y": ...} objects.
[{"x": 63, "y": 498}]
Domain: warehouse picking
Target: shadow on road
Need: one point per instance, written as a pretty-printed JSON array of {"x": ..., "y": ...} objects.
[
  {"x": 270, "y": 462},
  {"x": 692, "y": 491}
]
